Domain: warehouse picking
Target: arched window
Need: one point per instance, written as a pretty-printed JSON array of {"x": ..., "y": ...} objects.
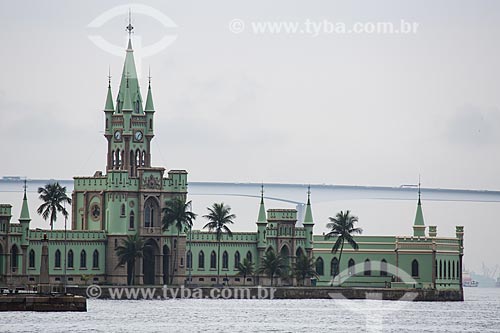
[
  {"x": 70, "y": 259},
  {"x": 440, "y": 269},
  {"x": 117, "y": 158},
  {"x": 201, "y": 260},
  {"x": 122, "y": 210},
  {"x": 225, "y": 260},
  {"x": 213, "y": 260},
  {"x": 368, "y": 267},
  {"x": 189, "y": 259},
  {"x": 122, "y": 159},
  {"x": 14, "y": 255},
  {"x": 138, "y": 158},
  {"x": 32, "y": 259},
  {"x": 299, "y": 252},
  {"x": 131, "y": 162},
  {"x": 449, "y": 270},
  {"x": 320, "y": 267},
  {"x": 83, "y": 259},
  {"x": 150, "y": 123},
  {"x": 414, "y": 268},
  {"x": 150, "y": 213},
  {"x": 95, "y": 259},
  {"x": 113, "y": 161},
  {"x": 444, "y": 270},
  {"x": 335, "y": 266},
  {"x": 383, "y": 268},
  {"x": 57, "y": 259},
  {"x": 350, "y": 264},
  {"x": 453, "y": 270},
  {"x": 143, "y": 160},
  {"x": 107, "y": 123},
  {"x": 249, "y": 256},
  {"x": 236, "y": 259},
  {"x": 131, "y": 224}
]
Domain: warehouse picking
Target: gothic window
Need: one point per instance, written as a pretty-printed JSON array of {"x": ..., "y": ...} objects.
[
  {"x": 107, "y": 123},
  {"x": 249, "y": 256},
  {"x": 95, "y": 259},
  {"x": 414, "y": 268},
  {"x": 122, "y": 210},
  {"x": 70, "y": 259},
  {"x": 189, "y": 260},
  {"x": 453, "y": 270},
  {"x": 14, "y": 255},
  {"x": 138, "y": 158},
  {"x": 351, "y": 270},
  {"x": 440, "y": 269},
  {"x": 117, "y": 157},
  {"x": 143, "y": 160},
  {"x": 57, "y": 259},
  {"x": 32, "y": 259},
  {"x": 236, "y": 259},
  {"x": 383, "y": 268},
  {"x": 368, "y": 267},
  {"x": 335, "y": 266},
  {"x": 150, "y": 213},
  {"x": 131, "y": 220},
  {"x": 299, "y": 252},
  {"x": 320, "y": 267},
  {"x": 83, "y": 259},
  {"x": 444, "y": 269},
  {"x": 137, "y": 107},
  {"x": 151, "y": 124},
  {"x": 225, "y": 260},
  {"x": 113, "y": 162},
  {"x": 201, "y": 260},
  {"x": 213, "y": 260},
  {"x": 122, "y": 159},
  {"x": 449, "y": 270},
  {"x": 131, "y": 162}
]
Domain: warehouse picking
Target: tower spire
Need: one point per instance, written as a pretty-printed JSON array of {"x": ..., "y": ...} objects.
[
  {"x": 418, "y": 224},
  {"x": 149, "y": 99},
  {"x": 262, "y": 209},
  {"x": 109, "y": 98},
  {"x": 308, "y": 218},
  {"x": 25, "y": 212}
]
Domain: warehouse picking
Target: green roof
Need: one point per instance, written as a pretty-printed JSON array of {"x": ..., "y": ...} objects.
[
  {"x": 149, "y": 100},
  {"x": 25, "y": 212},
  {"x": 262, "y": 212},
  {"x": 308, "y": 218},
  {"x": 109, "y": 100},
  {"x": 129, "y": 74},
  {"x": 419, "y": 225}
]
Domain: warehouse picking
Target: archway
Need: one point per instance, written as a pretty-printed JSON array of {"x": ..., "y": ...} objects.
[
  {"x": 148, "y": 261},
  {"x": 285, "y": 253}
]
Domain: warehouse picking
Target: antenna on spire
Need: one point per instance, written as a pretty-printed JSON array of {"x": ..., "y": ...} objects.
[
  {"x": 262, "y": 192},
  {"x": 309, "y": 194},
  {"x": 149, "y": 76},
  {"x": 25, "y": 187},
  {"x": 129, "y": 26}
]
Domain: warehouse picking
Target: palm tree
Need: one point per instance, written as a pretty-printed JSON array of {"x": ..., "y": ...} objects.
[
  {"x": 177, "y": 213},
  {"x": 342, "y": 227},
  {"x": 304, "y": 267},
  {"x": 245, "y": 269},
  {"x": 273, "y": 265},
  {"x": 130, "y": 249},
  {"x": 54, "y": 197},
  {"x": 219, "y": 216}
]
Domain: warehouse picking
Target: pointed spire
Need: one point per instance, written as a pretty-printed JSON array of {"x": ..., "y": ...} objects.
[
  {"x": 25, "y": 212},
  {"x": 308, "y": 218},
  {"x": 418, "y": 224},
  {"x": 109, "y": 98},
  {"x": 262, "y": 209},
  {"x": 149, "y": 99}
]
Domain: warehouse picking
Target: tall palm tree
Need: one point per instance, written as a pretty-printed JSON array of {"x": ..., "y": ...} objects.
[
  {"x": 177, "y": 213},
  {"x": 219, "y": 216},
  {"x": 53, "y": 197},
  {"x": 273, "y": 265},
  {"x": 245, "y": 269},
  {"x": 304, "y": 267},
  {"x": 130, "y": 249},
  {"x": 342, "y": 227}
]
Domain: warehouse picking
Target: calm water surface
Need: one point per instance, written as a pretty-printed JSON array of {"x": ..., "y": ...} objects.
[{"x": 479, "y": 313}]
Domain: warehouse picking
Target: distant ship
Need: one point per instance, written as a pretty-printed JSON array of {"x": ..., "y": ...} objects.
[{"x": 467, "y": 280}]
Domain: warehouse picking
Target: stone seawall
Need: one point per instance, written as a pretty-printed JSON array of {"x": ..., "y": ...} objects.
[
  {"x": 42, "y": 303},
  {"x": 251, "y": 292}
]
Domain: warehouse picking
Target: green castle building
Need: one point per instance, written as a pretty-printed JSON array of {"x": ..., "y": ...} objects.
[{"x": 128, "y": 199}]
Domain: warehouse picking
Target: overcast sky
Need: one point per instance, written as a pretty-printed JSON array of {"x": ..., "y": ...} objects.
[{"x": 340, "y": 109}]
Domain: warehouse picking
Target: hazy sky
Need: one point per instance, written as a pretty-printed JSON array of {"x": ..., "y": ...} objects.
[{"x": 340, "y": 109}]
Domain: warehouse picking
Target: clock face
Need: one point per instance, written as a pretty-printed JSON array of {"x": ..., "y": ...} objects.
[
  {"x": 118, "y": 135},
  {"x": 138, "y": 135}
]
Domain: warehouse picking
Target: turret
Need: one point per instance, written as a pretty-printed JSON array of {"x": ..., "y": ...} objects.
[
  {"x": 25, "y": 219},
  {"x": 261, "y": 222},
  {"x": 418, "y": 224},
  {"x": 149, "y": 111},
  {"x": 108, "y": 110},
  {"x": 309, "y": 223}
]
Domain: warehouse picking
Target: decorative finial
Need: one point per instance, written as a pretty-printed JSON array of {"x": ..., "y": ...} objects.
[
  {"x": 262, "y": 192},
  {"x": 309, "y": 194},
  {"x": 109, "y": 76},
  {"x": 25, "y": 186},
  {"x": 149, "y": 76},
  {"x": 129, "y": 26},
  {"x": 419, "y": 192}
]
